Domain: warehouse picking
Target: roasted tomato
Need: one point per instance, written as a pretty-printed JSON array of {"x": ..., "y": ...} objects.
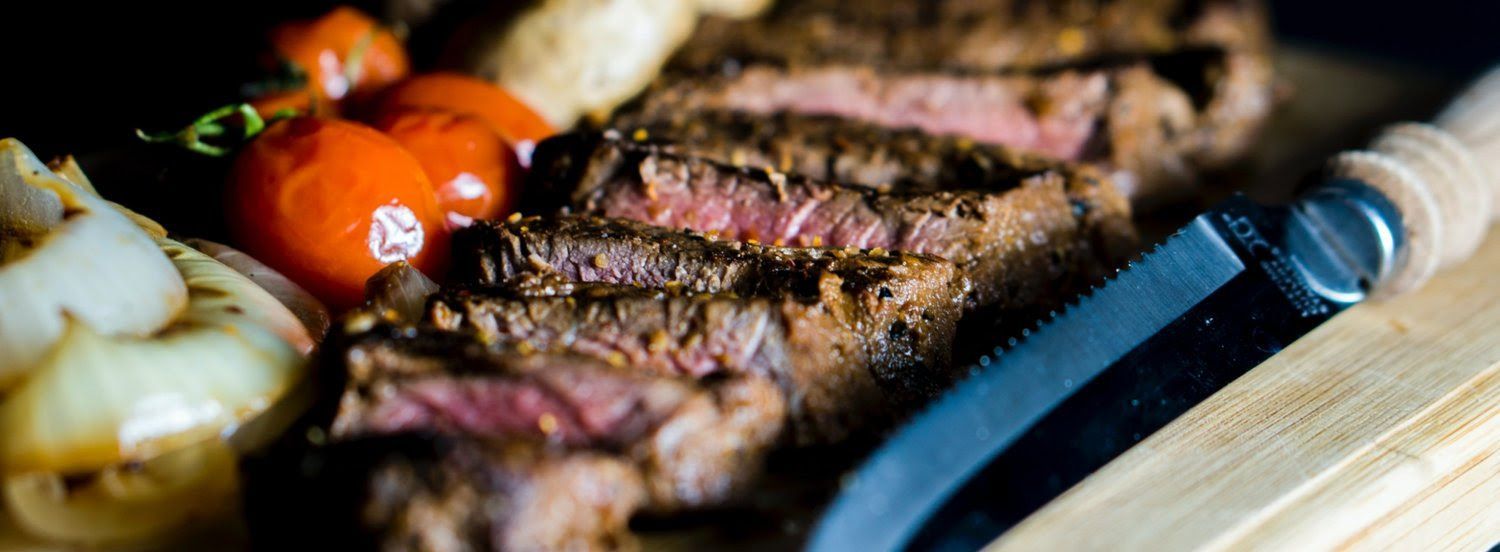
[
  {"x": 344, "y": 53},
  {"x": 329, "y": 202},
  {"x": 471, "y": 168},
  {"x": 520, "y": 126}
]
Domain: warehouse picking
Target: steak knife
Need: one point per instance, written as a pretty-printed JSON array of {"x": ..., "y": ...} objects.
[{"x": 1232, "y": 288}]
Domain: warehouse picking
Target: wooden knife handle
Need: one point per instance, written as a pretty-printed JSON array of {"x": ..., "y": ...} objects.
[{"x": 1443, "y": 177}]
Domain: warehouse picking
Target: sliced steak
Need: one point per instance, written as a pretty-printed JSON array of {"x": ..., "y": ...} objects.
[
  {"x": 846, "y": 151},
  {"x": 1032, "y": 241},
  {"x": 1155, "y": 121},
  {"x": 409, "y": 492},
  {"x": 866, "y": 284},
  {"x": 623, "y": 251},
  {"x": 696, "y": 446},
  {"x": 973, "y": 35},
  {"x": 1053, "y": 114},
  {"x": 837, "y": 379},
  {"x": 852, "y": 338}
]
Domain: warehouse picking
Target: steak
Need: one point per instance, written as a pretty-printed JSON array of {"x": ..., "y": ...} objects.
[
  {"x": 974, "y": 35},
  {"x": 1155, "y": 121},
  {"x": 846, "y": 151},
  {"x": 620, "y": 251},
  {"x": 1156, "y": 91},
  {"x": 852, "y": 338},
  {"x": 1033, "y": 240},
  {"x": 837, "y": 380},
  {"x": 423, "y": 492},
  {"x": 694, "y": 445}
]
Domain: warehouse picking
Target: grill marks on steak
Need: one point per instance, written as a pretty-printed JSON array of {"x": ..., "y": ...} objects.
[
  {"x": 695, "y": 445},
  {"x": 851, "y": 339},
  {"x": 1048, "y": 234}
]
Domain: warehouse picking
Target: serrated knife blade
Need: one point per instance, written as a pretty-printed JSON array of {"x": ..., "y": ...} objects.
[{"x": 1223, "y": 294}]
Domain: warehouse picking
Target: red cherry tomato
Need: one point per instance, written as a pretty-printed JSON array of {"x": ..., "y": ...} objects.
[
  {"x": 470, "y": 96},
  {"x": 471, "y": 168},
  {"x": 323, "y": 49},
  {"x": 329, "y": 202}
]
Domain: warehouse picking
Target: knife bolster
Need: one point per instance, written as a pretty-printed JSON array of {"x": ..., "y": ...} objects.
[{"x": 1347, "y": 237}]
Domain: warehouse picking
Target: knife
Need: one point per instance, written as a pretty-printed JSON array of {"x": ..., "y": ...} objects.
[{"x": 1223, "y": 294}]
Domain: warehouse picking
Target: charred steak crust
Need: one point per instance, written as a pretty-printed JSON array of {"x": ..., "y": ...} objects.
[
  {"x": 1025, "y": 243},
  {"x": 695, "y": 444},
  {"x": 852, "y": 338}
]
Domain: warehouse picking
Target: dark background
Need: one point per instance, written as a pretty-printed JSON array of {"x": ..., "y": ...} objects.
[{"x": 79, "y": 76}]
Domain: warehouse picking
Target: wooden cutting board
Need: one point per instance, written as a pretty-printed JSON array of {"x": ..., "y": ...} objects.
[{"x": 1379, "y": 430}]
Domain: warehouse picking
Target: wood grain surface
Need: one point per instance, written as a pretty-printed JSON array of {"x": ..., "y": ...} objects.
[{"x": 1379, "y": 430}]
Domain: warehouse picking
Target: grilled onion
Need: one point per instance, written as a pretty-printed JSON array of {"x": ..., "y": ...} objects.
[
  {"x": 98, "y": 400},
  {"x": 65, "y": 250},
  {"x": 308, "y": 309},
  {"x": 140, "y": 503}
]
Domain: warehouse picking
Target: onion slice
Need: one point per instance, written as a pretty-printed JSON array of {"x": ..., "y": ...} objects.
[
  {"x": 308, "y": 309},
  {"x": 148, "y": 503},
  {"x": 95, "y": 400},
  {"x": 65, "y": 250}
]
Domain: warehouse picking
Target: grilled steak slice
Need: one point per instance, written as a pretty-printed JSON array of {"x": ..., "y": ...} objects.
[
  {"x": 837, "y": 380},
  {"x": 695, "y": 445},
  {"x": 1156, "y": 89},
  {"x": 1156, "y": 121},
  {"x": 621, "y": 251},
  {"x": 409, "y": 492},
  {"x": 1034, "y": 240},
  {"x": 846, "y": 151},
  {"x": 852, "y": 338},
  {"x": 973, "y": 35}
]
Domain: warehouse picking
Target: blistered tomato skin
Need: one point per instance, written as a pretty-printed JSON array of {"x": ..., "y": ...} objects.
[
  {"x": 470, "y": 166},
  {"x": 329, "y": 202},
  {"x": 322, "y": 47}
]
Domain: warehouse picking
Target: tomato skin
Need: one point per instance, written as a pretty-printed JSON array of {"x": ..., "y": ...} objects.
[
  {"x": 330, "y": 202},
  {"x": 471, "y": 168},
  {"x": 471, "y": 96},
  {"x": 321, "y": 47}
]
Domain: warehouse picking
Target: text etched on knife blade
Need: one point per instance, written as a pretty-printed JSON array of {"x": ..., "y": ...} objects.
[{"x": 1307, "y": 302}]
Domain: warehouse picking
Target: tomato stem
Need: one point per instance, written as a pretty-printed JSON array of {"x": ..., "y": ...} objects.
[{"x": 212, "y": 125}]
